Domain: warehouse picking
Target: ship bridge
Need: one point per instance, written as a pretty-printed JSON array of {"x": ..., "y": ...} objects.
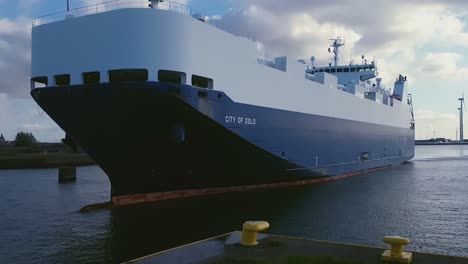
[
  {"x": 352, "y": 73},
  {"x": 349, "y": 73}
]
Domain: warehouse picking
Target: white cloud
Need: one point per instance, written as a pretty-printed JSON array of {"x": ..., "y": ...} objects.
[
  {"x": 15, "y": 56},
  {"x": 3, "y": 108},
  {"x": 22, "y": 114},
  {"x": 429, "y": 122},
  {"x": 26, "y": 5},
  {"x": 430, "y": 115},
  {"x": 443, "y": 65},
  {"x": 34, "y": 126}
]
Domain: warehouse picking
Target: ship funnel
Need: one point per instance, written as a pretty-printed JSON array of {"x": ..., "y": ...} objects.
[
  {"x": 399, "y": 91},
  {"x": 379, "y": 83}
]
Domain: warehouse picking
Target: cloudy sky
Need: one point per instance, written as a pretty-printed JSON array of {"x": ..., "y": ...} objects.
[{"x": 425, "y": 40}]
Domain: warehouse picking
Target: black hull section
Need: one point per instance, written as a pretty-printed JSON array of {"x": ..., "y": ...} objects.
[
  {"x": 154, "y": 137},
  {"x": 130, "y": 132}
]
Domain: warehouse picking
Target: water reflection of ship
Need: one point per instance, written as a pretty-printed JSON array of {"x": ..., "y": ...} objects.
[{"x": 148, "y": 228}]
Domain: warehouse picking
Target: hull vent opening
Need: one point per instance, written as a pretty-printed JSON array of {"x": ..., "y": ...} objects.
[
  {"x": 202, "y": 82},
  {"x": 172, "y": 77},
  {"x": 128, "y": 75},
  {"x": 40, "y": 81},
  {"x": 62, "y": 79},
  {"x": 91, "y": 77}
]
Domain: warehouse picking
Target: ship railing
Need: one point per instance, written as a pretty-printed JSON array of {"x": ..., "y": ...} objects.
[
  {"x": 122, "y": 4},
  {"x": 112, "y": 5}
]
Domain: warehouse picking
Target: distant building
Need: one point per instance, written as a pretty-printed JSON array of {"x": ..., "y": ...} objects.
[{"x": 2, "y": 140}]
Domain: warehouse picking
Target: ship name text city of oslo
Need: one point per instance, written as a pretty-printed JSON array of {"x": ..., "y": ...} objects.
[{"x": 241, "y": 120}]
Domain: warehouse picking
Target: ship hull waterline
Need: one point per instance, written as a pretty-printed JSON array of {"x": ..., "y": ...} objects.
[{"x": 152, "y": 137}]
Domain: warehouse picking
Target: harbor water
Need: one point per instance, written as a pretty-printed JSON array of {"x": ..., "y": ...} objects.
[{"x": 425, "y": 199}]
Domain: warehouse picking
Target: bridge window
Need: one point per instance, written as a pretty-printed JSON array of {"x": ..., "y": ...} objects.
[
  {"x": 346, "y": 70},
  {"x": 62, "y": 79},
  {"x": 339, "y": 70},
  {"x": 353, "y": 69},
  {"x": 172, "y": 76},
  {"x": 327, "y": 70},
  {"x": 202, "y": 82},
  {"x": 126, "y": 75},
  {"x": 333, "y": 70},
  {"x": 91, "y": 77},
  {"x": 37, "y": 82}
]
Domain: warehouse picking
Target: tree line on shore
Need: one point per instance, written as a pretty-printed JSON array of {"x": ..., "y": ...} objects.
[
  {"x": 22, "y": 139},
  {"x": 25, "y": 139}
]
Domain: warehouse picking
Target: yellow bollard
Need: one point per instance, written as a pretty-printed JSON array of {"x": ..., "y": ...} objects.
[
  {"x": 249, "y": 232},
  {"x": 396, "y": 253}
]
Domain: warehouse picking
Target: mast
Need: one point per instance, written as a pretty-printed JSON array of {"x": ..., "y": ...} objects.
[{"x": 336, "y": 44}]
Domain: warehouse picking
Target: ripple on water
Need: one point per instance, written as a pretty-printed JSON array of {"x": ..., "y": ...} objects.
[{"x": 425, "y": 200}]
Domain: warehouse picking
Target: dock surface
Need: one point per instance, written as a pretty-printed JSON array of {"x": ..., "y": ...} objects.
[{"x": 281, "y": 249}]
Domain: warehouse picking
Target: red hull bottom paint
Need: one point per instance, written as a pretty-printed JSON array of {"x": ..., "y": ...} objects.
[{"x": 161, "y": 196}]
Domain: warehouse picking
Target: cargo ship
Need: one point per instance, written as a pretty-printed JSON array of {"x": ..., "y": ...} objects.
[{"x": 164, "y": 100}]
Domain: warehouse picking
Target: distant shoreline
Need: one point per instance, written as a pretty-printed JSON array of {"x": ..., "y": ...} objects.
[
  {"x": 44, "y": 160},
  {"x": 439, "y": 143},
  {"x": 42, "y": 155}
]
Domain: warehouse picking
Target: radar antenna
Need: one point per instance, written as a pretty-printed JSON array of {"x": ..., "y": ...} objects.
[
  {"x": 336, "y": 44},
  {"x": 312, "y": 61}
]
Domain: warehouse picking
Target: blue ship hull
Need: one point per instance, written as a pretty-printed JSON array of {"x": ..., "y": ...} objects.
[{"x": 156, "y": 137}]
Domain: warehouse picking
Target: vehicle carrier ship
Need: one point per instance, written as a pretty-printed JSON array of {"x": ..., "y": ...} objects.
[{"x": 163, "y": 100}]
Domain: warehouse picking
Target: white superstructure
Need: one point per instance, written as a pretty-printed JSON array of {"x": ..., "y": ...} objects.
[{"x": 158, "y": 39}]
